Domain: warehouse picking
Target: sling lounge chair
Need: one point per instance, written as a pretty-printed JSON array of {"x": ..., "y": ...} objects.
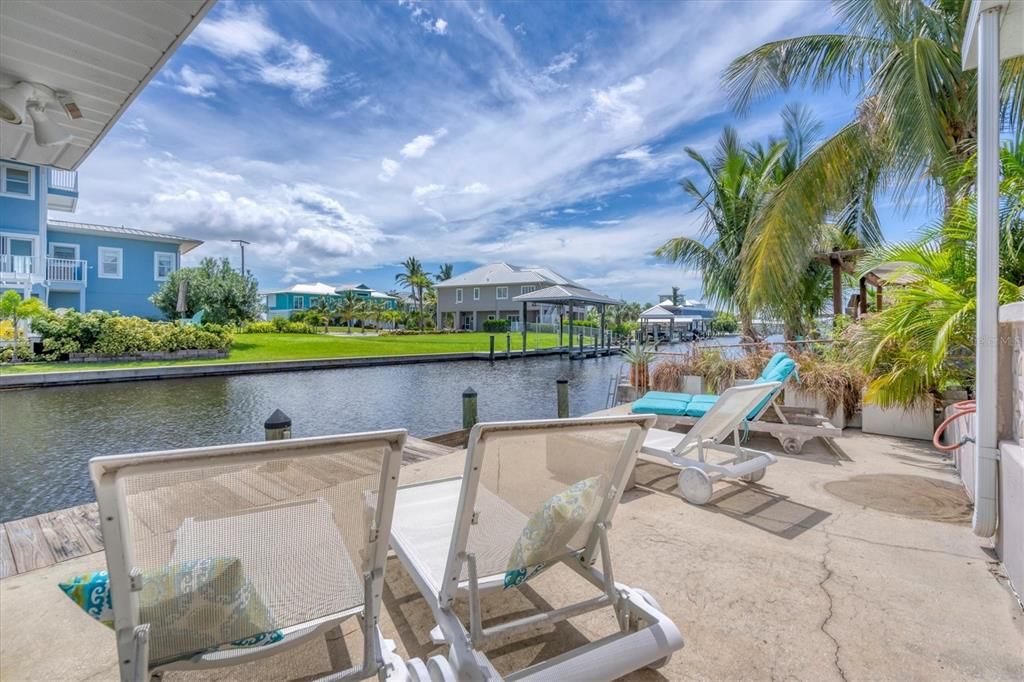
[
  {"x": 221, "y": 555},
  {"x": 532, "y": 494},
  {"x": 689, "y": 451}
]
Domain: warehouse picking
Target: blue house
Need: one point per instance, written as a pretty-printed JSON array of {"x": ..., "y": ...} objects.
[
  {"x": 299, "y": 297},
  {"x": 76, "y": 265}
]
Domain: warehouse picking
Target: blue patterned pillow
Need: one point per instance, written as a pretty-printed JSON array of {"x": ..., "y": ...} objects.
[
  {"x": 187, "y": 606},
  {"x": 550, "y": 529}
]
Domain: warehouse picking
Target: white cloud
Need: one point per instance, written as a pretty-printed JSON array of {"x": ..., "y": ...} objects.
[
  {"x": 388, "y": 169},
  {"x": 423, "y": 191},
  {"x": 615, "y": 108},
  {"x": 476, "y": 188},
  {"x": 438, "y": 26},
  {"x": 561, "y": 62},
  {"x": 422, "y": 143},
  {"x": 244, "y": 38},
  {"x": 137, "y": 125},
  {"x": 191, "y": 82},
  {"x": 641, "y": 154}
]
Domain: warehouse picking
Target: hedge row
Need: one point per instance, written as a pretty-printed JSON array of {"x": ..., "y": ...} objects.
[
  {"x": 111, "y": 334},
  {"x": 278, "y": 325}
]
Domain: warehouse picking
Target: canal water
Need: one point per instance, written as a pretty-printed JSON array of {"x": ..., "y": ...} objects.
[{"x": 48, "y": 435}]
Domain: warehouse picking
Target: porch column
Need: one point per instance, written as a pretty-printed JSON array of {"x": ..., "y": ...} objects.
[
  {"x": 837, "y": 288},
  {"x": 602, "y": 324},
  {"x": 987, "y": 317},
  {"x": 862, "y": 296},
  {"x": 474, "y": 320},
  {"x": 570, "y": 330},
  {"x": 523, "y": 327},
  {"x": 561, "y": 319}
]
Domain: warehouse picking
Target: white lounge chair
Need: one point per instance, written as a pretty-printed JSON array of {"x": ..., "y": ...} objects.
[
  {"x": 724, "y": 418},
  {"x": 287, "y": 520},
  {"x": 460, "y": 536}
]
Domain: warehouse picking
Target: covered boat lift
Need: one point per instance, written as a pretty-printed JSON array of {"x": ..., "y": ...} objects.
[{"x": 567, "y": 295}]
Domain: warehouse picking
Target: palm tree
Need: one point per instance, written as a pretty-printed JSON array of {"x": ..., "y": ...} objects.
[
  {"x": 324, "y": 311},
  {"x": 348, "y": 309},
  {"x": 911, "y": 346},
  {"x": 444, "y": 272},
  {"x": 916, "y": 119},
  {"x": 417, "y": 280},
  {"x": 737, "y": 185}
]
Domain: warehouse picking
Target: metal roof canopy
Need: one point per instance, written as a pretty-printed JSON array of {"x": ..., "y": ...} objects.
[
  {"x": 1011, "y": 30},
  {"x": 561, "y": 294},
  {"x": 186, "y": 243},
  {"x": 101, "y": 52}
]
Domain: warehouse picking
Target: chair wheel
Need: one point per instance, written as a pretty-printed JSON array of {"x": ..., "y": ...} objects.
[
  {"x": 754, "y": 477},
  {"x": 695, "y": 485},
  {"x": 792, "y": 446},
  {"x": 417, "y": 670},
  {"x": 661, "y": 662},
  {"x": 440, "y": 669}
]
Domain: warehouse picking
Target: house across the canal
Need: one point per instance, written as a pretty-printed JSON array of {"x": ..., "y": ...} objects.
[{"x": 299, "y": 297}]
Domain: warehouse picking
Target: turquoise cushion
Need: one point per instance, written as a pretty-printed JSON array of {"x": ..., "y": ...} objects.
[
  {"x": 697, "y": 409},
  {"x": 204, "y": 600},
  {"x": 781, "y": 370},
  {"x": 666, "y": 395},
  {"x": 647, "y": 405},
  {"x": 776, "y": 359}
]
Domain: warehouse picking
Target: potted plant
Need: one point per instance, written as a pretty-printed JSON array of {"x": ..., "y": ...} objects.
[{"x": 639, "y": 359}]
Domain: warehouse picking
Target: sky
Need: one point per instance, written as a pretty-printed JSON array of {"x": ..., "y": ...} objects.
[{"x": 340, "y": 138}]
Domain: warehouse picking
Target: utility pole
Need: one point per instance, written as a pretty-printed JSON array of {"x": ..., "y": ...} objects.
[{"x": 242, "y": 244}]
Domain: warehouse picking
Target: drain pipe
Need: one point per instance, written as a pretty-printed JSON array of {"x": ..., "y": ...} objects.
[{"x": 987, "y": 332}]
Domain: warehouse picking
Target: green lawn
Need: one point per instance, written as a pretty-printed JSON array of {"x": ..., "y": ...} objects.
[{"x": 265, "y": 347}]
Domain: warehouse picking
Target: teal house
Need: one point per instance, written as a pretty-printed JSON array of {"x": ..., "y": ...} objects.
[{"x": 299, "y": 297}]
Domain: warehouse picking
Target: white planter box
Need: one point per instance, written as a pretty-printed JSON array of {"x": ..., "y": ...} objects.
[
  {"x": 917, "y": 422},
  {"x": 691, "y": 384},
  {"x": 797, "y": 398}
]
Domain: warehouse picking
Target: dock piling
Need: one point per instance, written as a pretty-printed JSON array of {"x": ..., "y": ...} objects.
[
  {"x": 490, "y": 354},
  {"x": 563, "y": 398},
  {"x": 278, "y": 426},
  {"x": 469, "y": 408},
  {"x": 508, "y": 345}
]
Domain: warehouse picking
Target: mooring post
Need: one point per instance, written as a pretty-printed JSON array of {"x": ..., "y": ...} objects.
[
  {"x": 581, "y": 345},
  {"x": 468, "y": 408},
  {"x": 508, "y": 345},
  {"x": 563, "y": 398},
  {"x": 490, "y": 354},
  {"x": 278, "y": 426}
]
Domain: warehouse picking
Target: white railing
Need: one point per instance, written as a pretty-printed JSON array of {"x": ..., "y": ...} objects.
[
  {"x": 65, "y": 270},
  {"x": 62, "y": 179},
  {"x": 27, "y": 269}
]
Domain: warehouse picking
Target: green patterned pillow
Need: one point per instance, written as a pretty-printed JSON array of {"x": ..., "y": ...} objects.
[
  {"x": 550, "y": 529},
  {"x": 187, "y": 606}
]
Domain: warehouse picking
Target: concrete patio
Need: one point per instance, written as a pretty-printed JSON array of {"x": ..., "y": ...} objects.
[{"x": 816, "y": 574}]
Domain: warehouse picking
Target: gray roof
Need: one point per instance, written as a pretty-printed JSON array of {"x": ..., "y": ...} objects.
[
  {"x": 503, "y": 273},
  {"x": 564, "y": 294},
  {"x": 186, "y": 243}
]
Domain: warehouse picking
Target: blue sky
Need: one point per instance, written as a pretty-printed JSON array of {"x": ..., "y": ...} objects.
[{"x": 340, "y": 138}]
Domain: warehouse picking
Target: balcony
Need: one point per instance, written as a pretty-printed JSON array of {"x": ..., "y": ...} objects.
[
  {"x": 18, "y": 271},
  {"x": 62, "y": 189}
]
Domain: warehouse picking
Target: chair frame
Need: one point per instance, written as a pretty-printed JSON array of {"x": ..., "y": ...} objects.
[
  {"x": 745, "y": 463},
  {"x": 125, "y": 580},
  {"x": 638, "y": 615}
]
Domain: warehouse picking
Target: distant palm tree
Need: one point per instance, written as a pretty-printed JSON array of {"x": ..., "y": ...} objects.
[
  {"x": 444, "y": 272},
  {"x": 417, "y": 280},
  {"x": 916, "y": 119},
  {"x": 324, "y": 311},
  {"x": 348, "y": 309}
]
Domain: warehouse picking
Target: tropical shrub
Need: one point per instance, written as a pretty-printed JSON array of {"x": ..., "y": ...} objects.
[
  {"x": 214, "y": 286},
  {"x": 279, "y": 326},
  {"x": 496, "y": 326},
  {"x": 111, "y": 334}
]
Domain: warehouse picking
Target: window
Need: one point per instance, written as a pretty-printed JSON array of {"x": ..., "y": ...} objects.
[
  {"x": 163, "y": 265},
  {"x": 528, "y": 288},
  {"x": 313, "y": 300},
  {"x": 502, "y": 293},
  {"x": 458, "y": 295},
  {"x": 64, "y": 251},
  {"x": 298, "y": 302},
  {"x": 490, "y": 318},
  {"x": 476, "y": 293},
  {"x": 111, "y": 263},
  {"x": 17, "y": 181}
]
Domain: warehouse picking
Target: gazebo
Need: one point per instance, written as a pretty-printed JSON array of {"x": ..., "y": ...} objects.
[{"x": 562, "y": 295}]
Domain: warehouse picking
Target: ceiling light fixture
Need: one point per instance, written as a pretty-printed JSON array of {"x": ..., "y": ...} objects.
[{"x": 35, "y": 101}]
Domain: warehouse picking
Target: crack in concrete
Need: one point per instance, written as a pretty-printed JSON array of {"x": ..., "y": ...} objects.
[{"x": 828, "y": 617}]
